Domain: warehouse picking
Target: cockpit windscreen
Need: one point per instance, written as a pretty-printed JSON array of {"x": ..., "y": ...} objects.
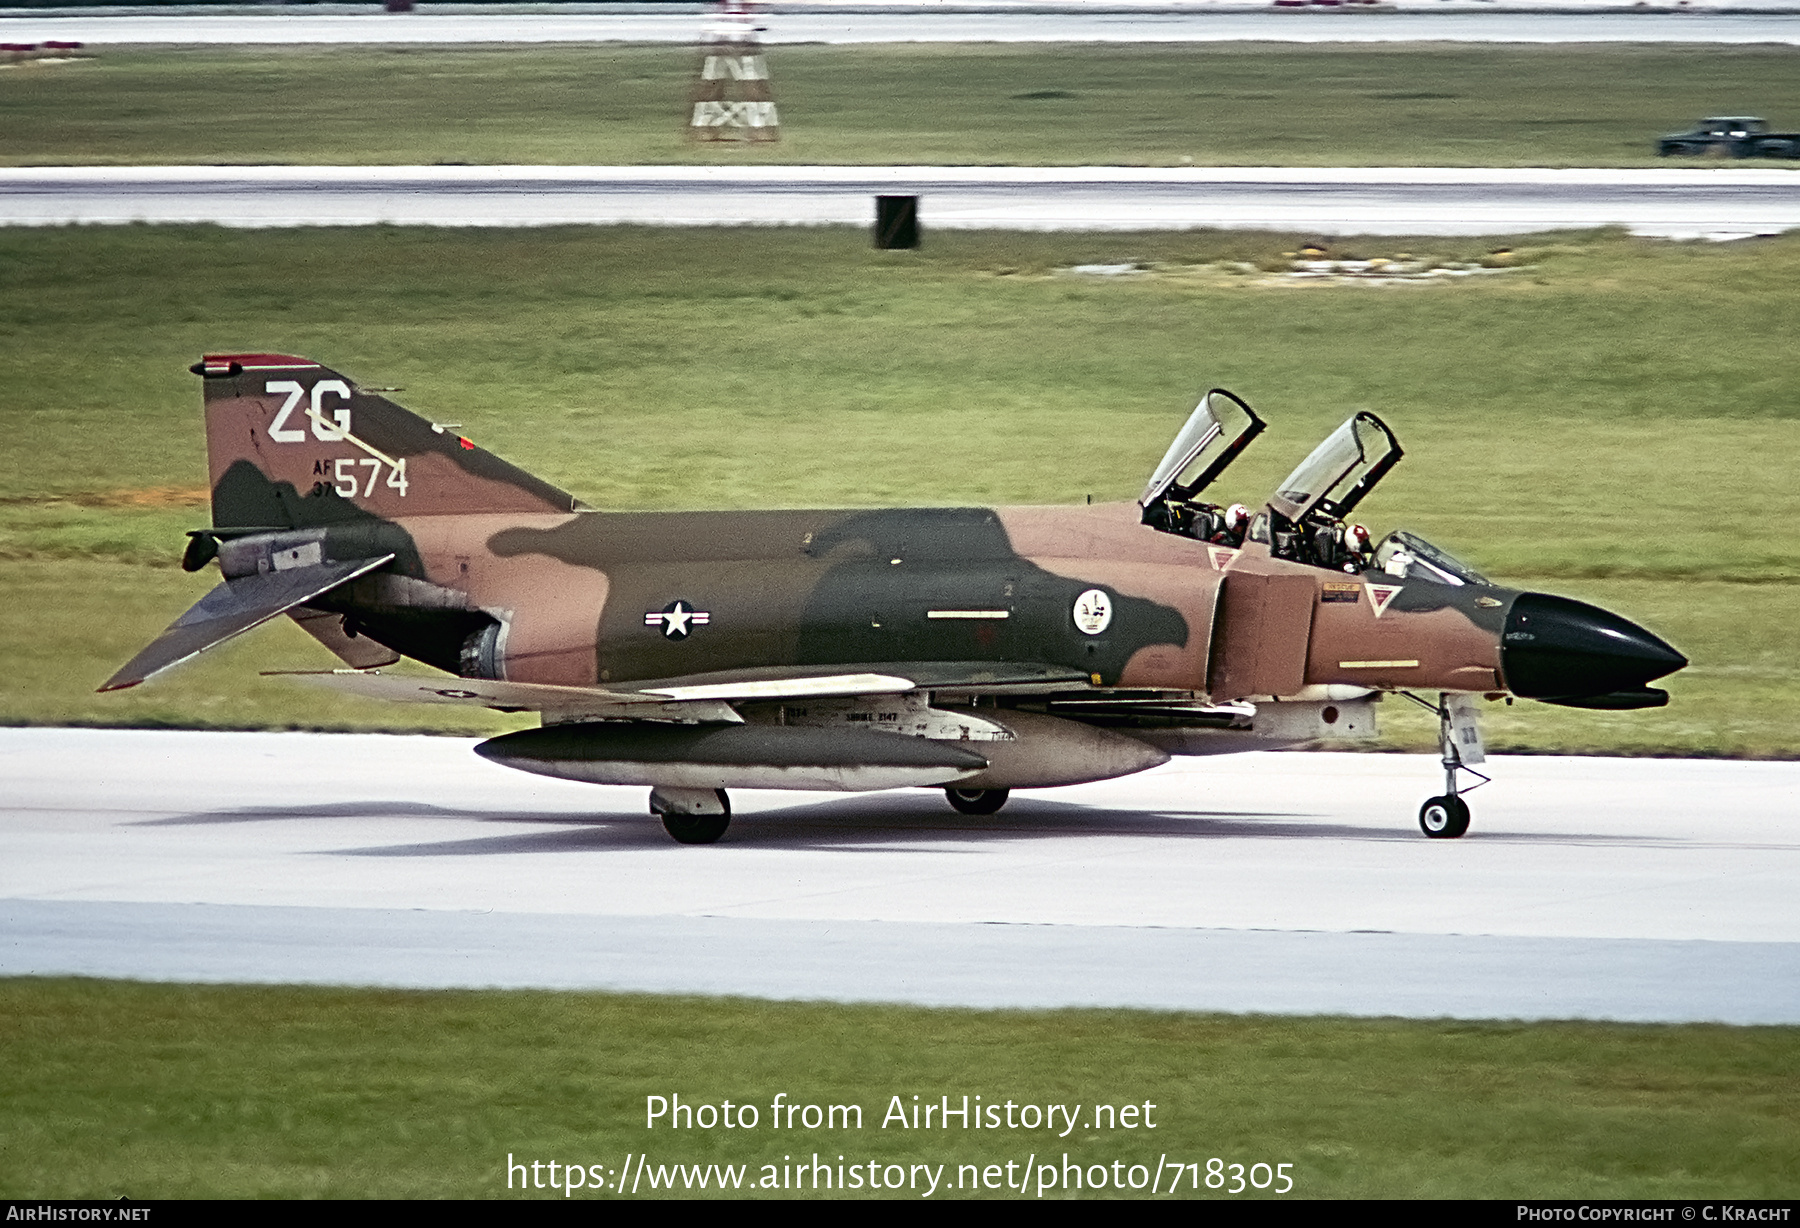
[{"x": 1410, "y": 557}]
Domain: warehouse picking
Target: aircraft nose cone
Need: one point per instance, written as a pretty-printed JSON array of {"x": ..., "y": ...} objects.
[{"x": 1553, "y": 647}]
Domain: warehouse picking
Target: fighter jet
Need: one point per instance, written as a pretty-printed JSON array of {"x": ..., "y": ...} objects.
[{"x": 973, "y": 649}]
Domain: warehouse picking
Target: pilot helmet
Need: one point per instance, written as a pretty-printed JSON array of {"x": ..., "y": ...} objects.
[
  {"x": 1237, "y": 517},
  {"x": 1356, "y": 539}
]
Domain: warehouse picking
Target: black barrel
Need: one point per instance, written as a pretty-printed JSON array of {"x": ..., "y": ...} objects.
[{"x": 896, "y": 223}]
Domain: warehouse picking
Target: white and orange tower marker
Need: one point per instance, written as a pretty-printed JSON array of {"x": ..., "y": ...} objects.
[{"x": 732, "y": 99}]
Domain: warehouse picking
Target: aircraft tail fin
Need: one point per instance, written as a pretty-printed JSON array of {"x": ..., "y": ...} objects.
[{"x": 292, "y": 444}]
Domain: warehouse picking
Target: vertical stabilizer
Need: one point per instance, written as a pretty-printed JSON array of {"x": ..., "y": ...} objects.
[{"x": 291, "y": 444}]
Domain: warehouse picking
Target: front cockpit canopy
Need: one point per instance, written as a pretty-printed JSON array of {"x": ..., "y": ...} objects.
[
  {"x": 1220, "y": 428},
  {"x": 1340, "y": 471}
]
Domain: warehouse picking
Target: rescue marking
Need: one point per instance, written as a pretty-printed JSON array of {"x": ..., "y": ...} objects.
[
  {"x": 1380, "y": 595},
  {"x": 677, "y": 619},
  {"x": 968, "y": 614},
  {"x": 1340, "y": 591},
  {"x": 1221, "y": 556},
  {"x": 1377, "y": 664},
  {"x": 1093, "y": 612}
]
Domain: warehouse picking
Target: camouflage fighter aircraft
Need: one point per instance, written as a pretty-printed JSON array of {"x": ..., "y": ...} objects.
[{"x": 973, "y": 649}]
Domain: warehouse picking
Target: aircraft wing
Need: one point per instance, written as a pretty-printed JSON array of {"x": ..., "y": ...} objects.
[
  {"x": 700, "y": 698},
  {"x": 871, "y": 678},
  {"x": 563, "y": 702},
  {"x": 233, "y": 608}
]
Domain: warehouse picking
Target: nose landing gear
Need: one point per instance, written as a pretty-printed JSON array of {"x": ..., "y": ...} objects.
[
  {"x": 1444, "y": 818},
  {"x": 1459, "y": 741}
]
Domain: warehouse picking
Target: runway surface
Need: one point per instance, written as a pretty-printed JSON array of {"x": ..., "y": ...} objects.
[
  {"x": 1677, "y": 202},
  {"x": 1637, "y": 890},
  {"x": 908, "y": 24}
]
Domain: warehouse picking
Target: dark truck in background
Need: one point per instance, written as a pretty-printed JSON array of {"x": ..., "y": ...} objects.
[{"x": 1736, "y": 136}]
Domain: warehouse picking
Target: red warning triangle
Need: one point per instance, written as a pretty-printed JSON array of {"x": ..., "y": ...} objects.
[
  {"x": 1222, "y": 556},
  {"x": 1380, "y": 595}
]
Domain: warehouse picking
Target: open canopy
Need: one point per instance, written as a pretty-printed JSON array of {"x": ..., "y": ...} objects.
[
  {"x": 1340, "y": 471},
  {"x": 1220, "y": 427}
]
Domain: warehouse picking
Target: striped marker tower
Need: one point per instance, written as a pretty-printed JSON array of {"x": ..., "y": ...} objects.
[{"x": 732, "y": 100}]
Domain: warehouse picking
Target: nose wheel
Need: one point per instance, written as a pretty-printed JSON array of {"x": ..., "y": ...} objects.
[
  {"x": 1459, "y": 741},
  {"x": 1444, "y": 818}
]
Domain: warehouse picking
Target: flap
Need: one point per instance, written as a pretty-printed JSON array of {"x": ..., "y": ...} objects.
[
  {"x": 561, "y": 702},
  {"x": 234, "y": 608}
]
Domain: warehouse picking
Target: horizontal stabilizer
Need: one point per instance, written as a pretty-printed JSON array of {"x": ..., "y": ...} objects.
[{"x": 234, "y": 608}]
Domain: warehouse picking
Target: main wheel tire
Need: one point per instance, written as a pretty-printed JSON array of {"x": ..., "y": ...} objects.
[
  {"x": 1444, "y": 818},
  {"x": 977, "y": 801},
  {"x": 698, "y": 828}
]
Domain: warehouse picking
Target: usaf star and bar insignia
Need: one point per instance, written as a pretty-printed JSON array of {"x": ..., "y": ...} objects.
[{"x": 677, "y": 619}]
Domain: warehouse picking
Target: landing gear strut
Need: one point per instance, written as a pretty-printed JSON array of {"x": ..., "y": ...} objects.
[
  {"x": 1459, "y": 741},
  {"x": 976, "y": 801},
  {"x": 692, "y": 816}
]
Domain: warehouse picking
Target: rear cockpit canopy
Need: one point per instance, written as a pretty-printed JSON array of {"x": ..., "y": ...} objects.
[{"x": 1218, "y": 430}]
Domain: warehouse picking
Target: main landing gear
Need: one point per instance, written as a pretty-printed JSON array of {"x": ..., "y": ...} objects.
[
  {"x": 692, "y": 816},
  {"x": 1459, "y": 740},
  {"x": 976, "y": 801}
]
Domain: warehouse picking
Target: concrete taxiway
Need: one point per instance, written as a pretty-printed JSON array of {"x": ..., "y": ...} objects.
[
  {"x": 1749, "y": 21},
  {"x": 1592, "y": 888},
  {"x": 1677, "y": 202}
]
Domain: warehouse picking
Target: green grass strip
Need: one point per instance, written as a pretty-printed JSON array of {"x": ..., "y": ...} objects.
[
  {"x": 110, "y": 1088},
  {"x": 1232, "y": 104}
]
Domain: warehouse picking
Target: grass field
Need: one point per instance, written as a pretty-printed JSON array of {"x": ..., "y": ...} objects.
[
  {"x": 1216, "y": 104},
  {"x": 184, "y": 1091},
  {"x": 1615, "y": 421}
]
